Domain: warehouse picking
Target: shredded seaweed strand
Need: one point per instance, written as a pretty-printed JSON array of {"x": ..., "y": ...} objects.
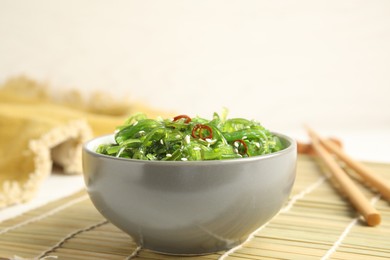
[{"x": 190, "y": 139}]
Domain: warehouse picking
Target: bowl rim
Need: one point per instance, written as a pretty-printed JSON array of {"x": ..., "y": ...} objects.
[{"x": 89, "y": 145}]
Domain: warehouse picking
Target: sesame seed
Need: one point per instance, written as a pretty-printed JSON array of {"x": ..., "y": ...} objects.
[
  {"x": 184, "y": 159},
  {"x": 187, "y": 139}
]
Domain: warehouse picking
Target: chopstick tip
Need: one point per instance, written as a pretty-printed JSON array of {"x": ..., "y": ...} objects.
[
  {"x": 373, "y": 219},
  {"x": 309, "y": 131}
]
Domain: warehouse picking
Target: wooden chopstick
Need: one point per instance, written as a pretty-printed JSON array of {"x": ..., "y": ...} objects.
[
  {"x": 306, "y": 148},
  {"x": 356, "y": 197},
  {"x": 381, "y": 184}
]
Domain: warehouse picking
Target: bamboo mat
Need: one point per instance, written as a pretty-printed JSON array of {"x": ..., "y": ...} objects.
[{"x": 316, "y": 223}]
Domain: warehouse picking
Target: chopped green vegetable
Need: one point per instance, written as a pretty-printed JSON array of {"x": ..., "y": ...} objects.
[{"x": 190, "y": 139}]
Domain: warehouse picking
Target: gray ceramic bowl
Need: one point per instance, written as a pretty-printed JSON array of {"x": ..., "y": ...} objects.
[{"x": 192, "y": 207}]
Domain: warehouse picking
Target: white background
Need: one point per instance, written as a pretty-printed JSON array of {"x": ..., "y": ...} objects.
[{"x": 283, "y": 63}]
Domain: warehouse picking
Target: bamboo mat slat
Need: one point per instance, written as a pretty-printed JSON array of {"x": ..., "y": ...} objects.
[{"x": 316, "y": 223}]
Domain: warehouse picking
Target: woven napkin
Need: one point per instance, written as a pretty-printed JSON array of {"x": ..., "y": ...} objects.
[{"x": 39, "y": 129}]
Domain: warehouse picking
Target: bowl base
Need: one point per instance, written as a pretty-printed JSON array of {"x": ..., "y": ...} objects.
[{"x": 193, "y": 251}]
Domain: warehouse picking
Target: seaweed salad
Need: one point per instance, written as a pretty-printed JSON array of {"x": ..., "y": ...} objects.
[{"x": 185, "y": 138}]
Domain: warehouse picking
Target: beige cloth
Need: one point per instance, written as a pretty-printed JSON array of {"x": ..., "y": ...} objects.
[{"x": 38, "y": 130}]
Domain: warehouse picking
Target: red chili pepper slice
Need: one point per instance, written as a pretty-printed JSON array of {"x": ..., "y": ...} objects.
[
  {"x": 199, "y": 130},
  {"x": 187, "y": 118},
  {"x": 242, "y": 148}
]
